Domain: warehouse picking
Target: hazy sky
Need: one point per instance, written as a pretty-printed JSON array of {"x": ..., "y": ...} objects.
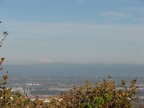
[{"x": 72, "y": 31}]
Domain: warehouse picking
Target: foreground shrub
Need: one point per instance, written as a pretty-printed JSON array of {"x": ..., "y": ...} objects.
[{"x": 101, "y": 95}]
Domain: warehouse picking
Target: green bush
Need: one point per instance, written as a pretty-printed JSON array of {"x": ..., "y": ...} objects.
[{"x": 101, "y": 95}]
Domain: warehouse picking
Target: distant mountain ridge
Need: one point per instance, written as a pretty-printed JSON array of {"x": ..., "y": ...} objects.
[{"x": 62, "y": 69}]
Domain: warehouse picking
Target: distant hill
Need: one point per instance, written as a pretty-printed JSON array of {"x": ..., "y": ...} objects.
[{"x": 61, "y": 69}]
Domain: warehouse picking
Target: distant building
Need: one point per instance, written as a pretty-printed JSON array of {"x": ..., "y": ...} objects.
[{"x": 21, "y": 90}]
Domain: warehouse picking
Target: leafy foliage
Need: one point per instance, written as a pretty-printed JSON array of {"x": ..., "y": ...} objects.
[
  {"x": 101, "y": 95},
  {"x": 5, "y": 33}
]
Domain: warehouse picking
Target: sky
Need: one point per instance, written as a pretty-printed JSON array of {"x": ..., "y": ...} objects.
[{"x": 72, "y": 31}]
